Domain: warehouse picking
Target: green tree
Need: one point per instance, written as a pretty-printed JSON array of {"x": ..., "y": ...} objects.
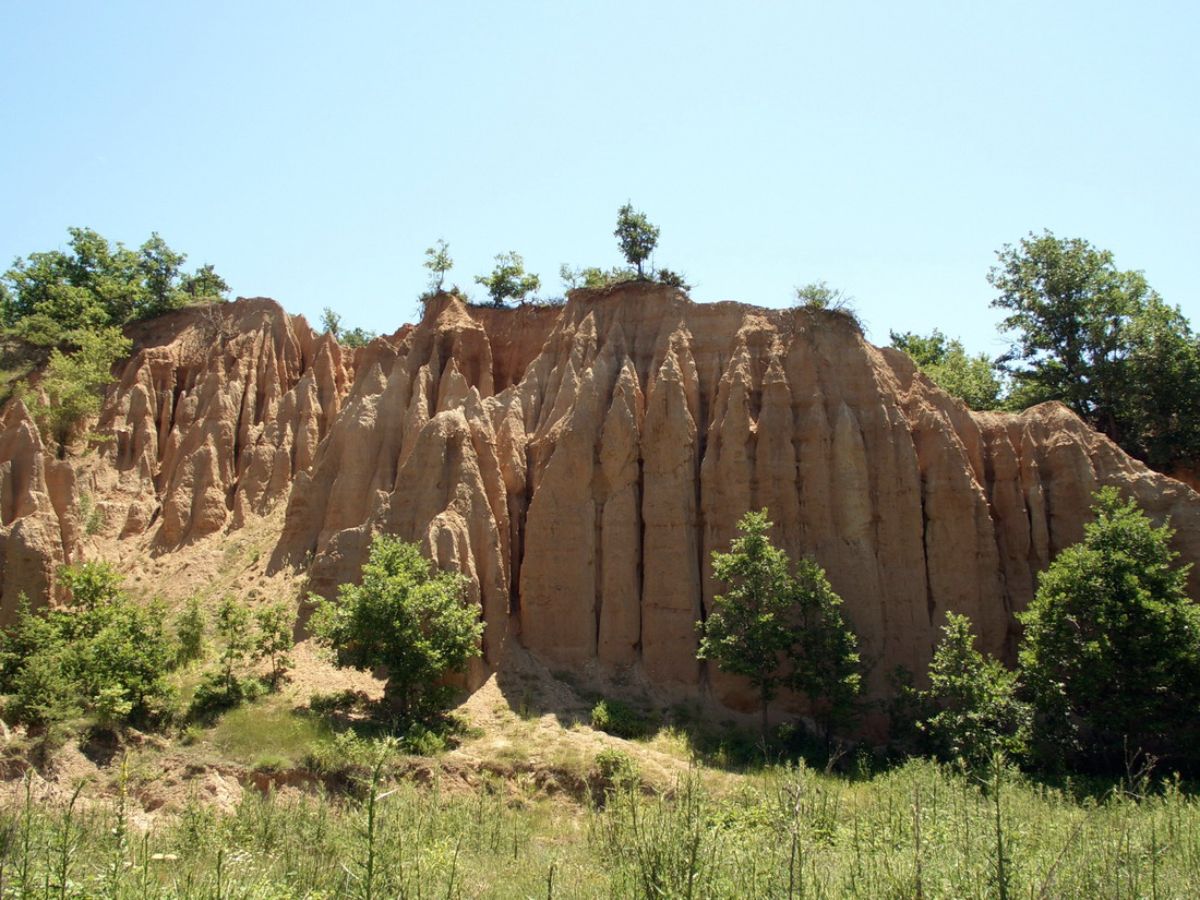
[
  {"x": 204, "y": 286},
  {"x": 971, "y": 379},
  {"x": 69, "y": 391},
  {"x": 974, "y": 698},
  {"x": 331, "y": 322},
  {"x": 274, "y": 640},
  {"x": 407, "y": 616},
  {"x": 1100, "y": 340},
  {"x": 780, "y": 630},
  {"x": 102, "y": 655},
  {"x": 1111, "y": 649},
  {"x": 238, "y": 641},
  {"x": 190, "y": 627},
  {"x": 1157, "y": 409},
  {"x": 636, "y": 237},
  {"x": 508, "y": 279},
  {"x": 438, "y": 262},
  {"x": 93, "y": 283},
  {"x": 160, "y": 270}
]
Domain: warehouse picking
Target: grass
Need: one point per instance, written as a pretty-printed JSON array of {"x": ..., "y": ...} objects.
[
  {"x": 267, "y": 730},
  {"x": 920, "y": 830}
]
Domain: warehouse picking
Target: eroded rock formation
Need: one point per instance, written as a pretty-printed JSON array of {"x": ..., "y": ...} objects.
[{"x": 580, "y": 465}]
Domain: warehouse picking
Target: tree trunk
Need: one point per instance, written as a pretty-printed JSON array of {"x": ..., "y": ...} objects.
[{"x": 765, "y": 719}]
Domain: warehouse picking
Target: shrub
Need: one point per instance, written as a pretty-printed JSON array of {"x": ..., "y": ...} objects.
[
  {"x": 218, "y": 692},
  {"x": 347, "y": 752},
  {"x": 615, "y": 770},
  {"x": 104, "y": 655},
  {"x": 70, "y": 389},
  {"x": 335, "y": 702},
  {"x": 672, "y": 279},
  {"x": 421, "y": 740},
  {"x": 617, "y": 719}
]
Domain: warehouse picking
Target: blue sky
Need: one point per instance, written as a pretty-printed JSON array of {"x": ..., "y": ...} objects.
[{"x": 312, "y": 151}]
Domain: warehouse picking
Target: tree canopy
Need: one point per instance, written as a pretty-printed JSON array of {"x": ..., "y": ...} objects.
[
  {"x": 407, "y": 616},
  {"x": 778, "y": 629},
  {"x": 636, "y": 237},
  {"x": 971, "y": 379},
  {"x": 70, "y": 388},
  {"x": 1111, "y": 650},
  {"x": 509, "y": 280},
  {"x": 438, "y": 262},
  {"x": 1100, "y": 340},
  {"x": 50, "y": 295}
]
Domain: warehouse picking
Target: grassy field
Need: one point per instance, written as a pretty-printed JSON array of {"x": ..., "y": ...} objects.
[{"x": 919, "y": 830}]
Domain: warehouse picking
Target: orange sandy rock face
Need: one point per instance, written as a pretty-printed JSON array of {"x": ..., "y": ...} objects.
[{"x": 580, "y": 464}]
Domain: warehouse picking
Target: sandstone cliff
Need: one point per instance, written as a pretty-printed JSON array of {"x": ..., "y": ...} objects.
[{"x": 580, "y": 464}]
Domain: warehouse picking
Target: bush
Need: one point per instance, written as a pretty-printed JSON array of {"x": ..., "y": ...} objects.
[
  {"x": 70, "y": 389},
  {"x": 346, "y": 753},
  {"x": 615, "y": 770},
  {"x": 104, "y": 656},
  {"x": 617, "y": 719},
  {"x": 218, "y": 692},
  {"x": 421, "y": 740}
]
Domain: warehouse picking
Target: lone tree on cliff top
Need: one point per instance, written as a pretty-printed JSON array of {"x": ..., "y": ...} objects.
[
  {"x": 438, "y": 262},
  {"x": 405, "y": 615},
  {"x": 509, "y": 279},
  {"x": 637, "y": 237},
  {"x": 781, "y": 630}
]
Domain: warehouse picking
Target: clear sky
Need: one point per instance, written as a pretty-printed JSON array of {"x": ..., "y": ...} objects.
[{"x": 312, "y": 151}]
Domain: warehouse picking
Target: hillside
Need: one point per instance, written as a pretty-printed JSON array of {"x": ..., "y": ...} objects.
[{"x": 579, "y": 464}]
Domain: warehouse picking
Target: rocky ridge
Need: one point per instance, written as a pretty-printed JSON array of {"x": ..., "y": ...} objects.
[{"x": 579, "y": 464}]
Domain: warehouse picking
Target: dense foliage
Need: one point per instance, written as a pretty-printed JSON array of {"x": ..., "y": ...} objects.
[
  {"x": 778, "y": 629},
  {"x": 975, "y": 711},
  {"x": 407, "y": 616},
  {"x": 972, "y": 379},
  {"x": 104, "y": 656},
  {"x": 509, "y": 280},
  {"x": 1111, "y": 651},
  {"x": 51, "y": 295},
  {"x": 69, "y": 391},
  {"x": 636, "y": 237},
  {"x": 1100, "y": 340}
]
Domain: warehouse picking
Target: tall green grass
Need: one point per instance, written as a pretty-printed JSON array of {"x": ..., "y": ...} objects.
[{"x": 917, "y": 831}]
